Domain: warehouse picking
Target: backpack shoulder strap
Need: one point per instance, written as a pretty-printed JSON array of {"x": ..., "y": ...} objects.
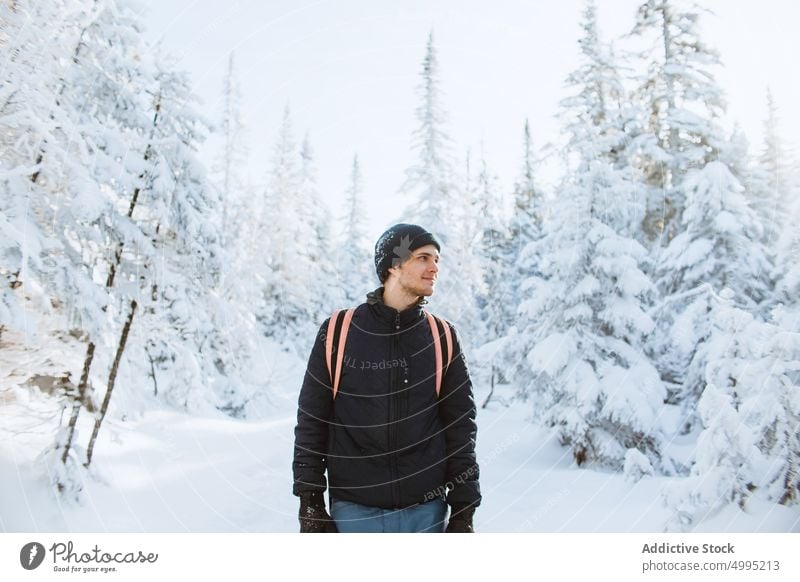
[
  {"x": 440, "y": 327},
  {"x": 335, "y": 341}
]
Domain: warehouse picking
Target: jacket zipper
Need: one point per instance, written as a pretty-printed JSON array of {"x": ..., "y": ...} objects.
[{"x": 393, "y": 414}]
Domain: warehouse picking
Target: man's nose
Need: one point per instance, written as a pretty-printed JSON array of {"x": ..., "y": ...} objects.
[{"x": 434, "y": 267}]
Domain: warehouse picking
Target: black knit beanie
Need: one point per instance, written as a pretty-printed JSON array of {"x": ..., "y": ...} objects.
[{"x": 396, "y": 244}]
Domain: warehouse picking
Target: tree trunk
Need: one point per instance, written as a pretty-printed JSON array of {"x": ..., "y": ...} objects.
[
  {"x": 152, "y": 372},
  {"x": 76, "y": 405},
  {"x": 491, "y": 392},
  {"x": 112, "y": 378}
]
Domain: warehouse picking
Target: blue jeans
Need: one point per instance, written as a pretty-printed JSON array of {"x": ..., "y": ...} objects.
[{"x": 423, "y": 518}]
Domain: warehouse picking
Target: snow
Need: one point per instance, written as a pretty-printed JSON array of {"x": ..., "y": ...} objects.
[
  {"x": 552, "y": 354},
  {"x": 169, "y": 471},
  {"x": 694, "y": 430}
]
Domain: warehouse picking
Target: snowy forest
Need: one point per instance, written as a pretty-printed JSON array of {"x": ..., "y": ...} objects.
[{"x": 644, "y": 313}]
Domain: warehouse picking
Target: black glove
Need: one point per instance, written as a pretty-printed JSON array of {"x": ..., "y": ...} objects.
[
  {"x": 460, "y": 519},
  {"x": 313, "y": 517}
]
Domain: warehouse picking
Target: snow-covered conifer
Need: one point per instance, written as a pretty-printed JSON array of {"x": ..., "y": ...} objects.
[
  {"x": 354, "y": 257},
  {"x": 325, "y": 281},
  {"x": 682, "y": 103},
  {"x": 289, "y": 309},
  {"x": 720, "y": 239},
  {"x": 437, "y": 204},
  {"x": 429, "y": 181},
  {"x": 497, "y": 303},
  {"x": 584, "y": 313}
]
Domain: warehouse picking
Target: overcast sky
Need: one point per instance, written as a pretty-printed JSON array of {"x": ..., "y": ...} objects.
[{"x": 349, "y": 70}]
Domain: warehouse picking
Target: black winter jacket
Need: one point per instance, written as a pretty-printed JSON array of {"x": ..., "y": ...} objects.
[{"x": 386, "y": 440}]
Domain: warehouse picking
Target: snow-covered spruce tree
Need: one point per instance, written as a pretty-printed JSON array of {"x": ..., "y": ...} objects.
[
  {"x": 778, "y": 206},
  {"x": 723, "y": 465},
  {"x": 327, "y": 284},
  {"x": 241, "y": 208},
  {"x": 354, "y": 251},
  {"x": 437, "y": 204},
  {"x": 33, "y": 73},
  {"x": 720, "y": 239},
  {"x": 719, "y": 246},
  {"x": 527, "y": 213},
  {"x": 775, "y": 177},
  {"x": 779, "y": 437},
  {"x": 584, "y": 312},
  {"x": 463, "y": 262},
  {"x": 228, "y": 170},
  {"x": 525, "y": 231},
  {"x": 769, "y": 211},
  {"x": 429, "y": 183},
  {"x": 239, "y": 288},
  {"x": 30, "y": 258},
  {"x": 766, "y": 383},
  {"x": 787, "y": 277},
  {"x": 88, "y": 152},
  {"x": 50, "y": 198},
  {"x": 749, "y": 411},
  {"x": 289, "y": 309},
  {"x": 497, "y": 303},
  {"x": 682, "y": 102},
  {"x": 181, "y": 341},
  {"x": 119, "y": 130},
  {"x": 134, "y": 130}
]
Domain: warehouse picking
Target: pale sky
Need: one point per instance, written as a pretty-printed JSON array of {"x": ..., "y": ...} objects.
[{"x": 349, "y": 70}]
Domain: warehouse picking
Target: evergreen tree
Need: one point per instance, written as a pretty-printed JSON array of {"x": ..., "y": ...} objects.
[
  {"x": 777, "y": 207},
  {"x": 289, "y": 309},
  {"x": 108, "y": 209},
  {"x": 430, "y": 182},
  {"x": 527, "y": 219},
  {"x": 749, "y": 411},
  {"x": 526, "y": 231},
  {"x": 91, "y": 168},
  {"x": 182, "y": 333},
  {"x": 584, "y": 314},
  {"x": 682, "y": 103},
  {"x": 718, "y": 248},
  {"x": 327, "y": 284},
  {"x": 497, "y": 304},
  {"x": 462, "y": 266},
  {"x": 774, "y": 160},
  {"x": 232, "y": 160},
  {"x": 437, "y": 205},
  {"x": 32, "y": 76},
  {"x": 355, "y": 257},
  {"x": 719, "y": 243}
]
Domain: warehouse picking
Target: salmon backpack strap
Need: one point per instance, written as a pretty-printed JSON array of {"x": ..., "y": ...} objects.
[
  {"x": 440, "y": 327},
  {"x": 335, "y": 341}
]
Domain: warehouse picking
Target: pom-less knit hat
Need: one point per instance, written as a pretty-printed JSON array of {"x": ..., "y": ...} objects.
[{"x": 396, "y": 245}]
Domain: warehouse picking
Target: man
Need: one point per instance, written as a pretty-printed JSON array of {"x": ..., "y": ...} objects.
[{"x": 397, "y": 439}]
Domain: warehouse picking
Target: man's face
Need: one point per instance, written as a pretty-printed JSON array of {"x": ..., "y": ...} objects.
[{"x": 417, "y": 275}]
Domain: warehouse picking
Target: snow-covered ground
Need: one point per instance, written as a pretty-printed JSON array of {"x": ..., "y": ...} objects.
[{"x": 168, "y": 471}]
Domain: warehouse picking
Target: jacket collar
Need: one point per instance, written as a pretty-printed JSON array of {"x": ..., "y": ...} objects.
[{"x": 388, "y": 314}]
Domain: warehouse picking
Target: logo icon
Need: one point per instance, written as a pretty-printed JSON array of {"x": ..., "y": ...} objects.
[
  {"x": 32, "y": 555},
  {"x": 403, "y": 251}
]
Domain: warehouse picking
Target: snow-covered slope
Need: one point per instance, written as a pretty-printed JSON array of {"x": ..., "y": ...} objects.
[{"x": 167, "y": 471}]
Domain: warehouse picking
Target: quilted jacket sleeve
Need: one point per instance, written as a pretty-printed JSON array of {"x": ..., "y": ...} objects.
[
  {"x": 314, "y": 411},
  {"x": 457, "y": 411}
]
